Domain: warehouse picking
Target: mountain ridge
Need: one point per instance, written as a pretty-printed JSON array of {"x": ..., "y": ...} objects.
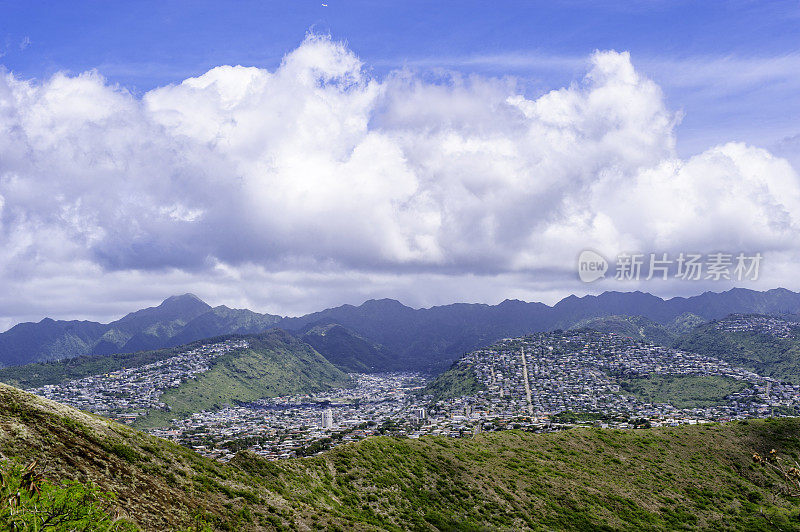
[{"x": 426, "y": 338}]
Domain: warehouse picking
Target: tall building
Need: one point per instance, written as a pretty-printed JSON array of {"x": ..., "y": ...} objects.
[{"x": 327, "y": 419}]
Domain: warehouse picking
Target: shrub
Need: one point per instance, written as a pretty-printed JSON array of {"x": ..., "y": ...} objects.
[{"x": 28, "y": 501}]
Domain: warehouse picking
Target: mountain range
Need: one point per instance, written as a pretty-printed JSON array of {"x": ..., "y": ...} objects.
[{"x": 397, "y": 336}]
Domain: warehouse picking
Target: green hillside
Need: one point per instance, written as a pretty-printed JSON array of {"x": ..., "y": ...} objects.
[
  {"x": 637, "y": 327},
  {"x": 159, "y": 485},
  {"x": 642, "y": 328},
  {"x": 457, "y": 381},
  {"x": 276, "y": 363},
  {"x": 348, "y": 350},
  {"x": 691, "y": 477},
  {"x": 683, "y": 391},
  {"x": 763, "y": 353}
]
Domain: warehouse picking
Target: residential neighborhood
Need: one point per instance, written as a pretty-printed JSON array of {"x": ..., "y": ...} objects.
[{"x": 541, "y": 382}]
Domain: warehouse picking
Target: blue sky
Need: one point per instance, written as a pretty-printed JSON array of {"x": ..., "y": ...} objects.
[{"x": 427, "y": 151}]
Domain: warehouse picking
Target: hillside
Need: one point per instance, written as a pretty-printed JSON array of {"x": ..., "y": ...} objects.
[
  {"x": 642, "y": 328},
  {"x": 428, "y": 339},
  {"x": 636, "y": 327},
  {"x": 272, "y": 363},
  {"x": 348, "y": 350},
  {"x": 695, "y": 477},
  {"x": 58, "y": 371},
  {"x": 683, "y": 391},
  {"x": 275, "y": 363},
  {"x": 457, "y": 381},
  {"x": 160, "y": 485},
  {"x": 765, "y": 344}
]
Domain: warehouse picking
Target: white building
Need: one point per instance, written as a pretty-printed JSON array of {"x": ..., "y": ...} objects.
[{"x": 327, "y": 419}]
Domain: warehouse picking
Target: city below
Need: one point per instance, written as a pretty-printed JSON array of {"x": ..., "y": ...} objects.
[{"x": 542, "y": 382}]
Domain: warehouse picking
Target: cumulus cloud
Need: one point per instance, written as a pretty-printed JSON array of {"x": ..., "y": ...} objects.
[{"x": 318, "y": 168}]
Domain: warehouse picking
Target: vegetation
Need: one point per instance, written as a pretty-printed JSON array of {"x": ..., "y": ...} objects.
[
  {"x": 642, "y": 328},
  {"x": 55, "y": 372},
  {"x": 457, "y": 381},
  {"x": 691, "y": 477},
  {"x": 636, "y": 327},
  {"x": 567, "y": 416},
  {"x": 276, "y": 363},
  {"x": 29, "y": 501},
  {"x": 158, "y": 485},
  {"x": 763, "y": 353},
  {"x": 347, "y": 350},
  {"x": 683, "y": 391},
  {"x": 684, "y": 324}
]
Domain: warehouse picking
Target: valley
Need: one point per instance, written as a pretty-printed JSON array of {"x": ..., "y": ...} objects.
[
  {"x": 698, "y": 477},
  {"x": 314, "y": 429},
  {"x": 243, "y": 393}
]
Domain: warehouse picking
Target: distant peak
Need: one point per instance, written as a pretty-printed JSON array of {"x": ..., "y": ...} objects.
[
  {"x": 513, "y": 303},
  {"x": 183, "y": 297},
  {"x": 385, "y": 302},
  {"x": 183, "y": 303}
]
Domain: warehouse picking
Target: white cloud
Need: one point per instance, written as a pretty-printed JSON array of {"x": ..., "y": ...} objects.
[{"x": 317, "y": 168}]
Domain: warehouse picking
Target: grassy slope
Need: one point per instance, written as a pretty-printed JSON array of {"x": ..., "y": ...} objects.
[
  {"x": 641, "y": 328},
  {"x": 457, "y": 381},
  {"x": 683, "y": 391},
  {"x": 582, "y": 479},
  {"x": 162, "y": 486},
  {"x": 687, "y": 477},
  {"x": 762, "y": 353},
  {"x": 275, "y": 364},
  {"x": 637, "y": 327}
]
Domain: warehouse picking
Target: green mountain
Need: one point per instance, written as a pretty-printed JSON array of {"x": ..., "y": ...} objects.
[
  {"x": 177, "y": 320},
  {"x": 275, "y": 363},
  {"x": 642, "y": 328},
  {"x": 431, "y": 339},
  {"x": 222, "y": 320},
  {"x": 458, "y": 381},
  {"x": 690, "y": 477},
  {"x": 684, "y": 324},
  {"x": 348, "y": 350},
  {"x": 756, "y": 342}
]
